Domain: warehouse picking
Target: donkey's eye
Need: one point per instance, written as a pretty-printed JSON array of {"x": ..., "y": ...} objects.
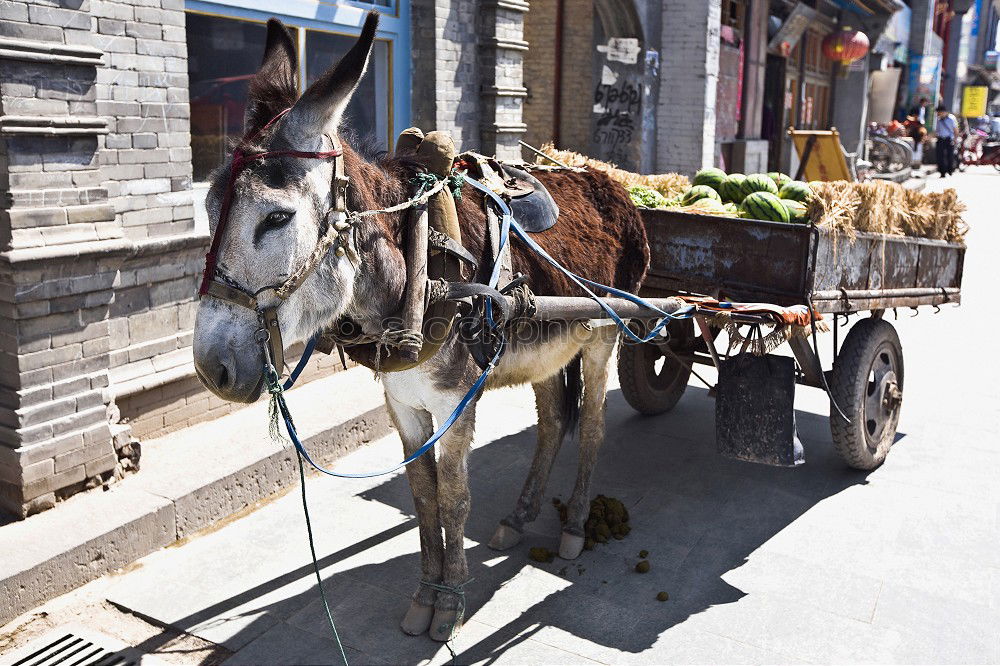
[
  {"x": 272, "y": 221},
  {"x": 278, "y": 218}
]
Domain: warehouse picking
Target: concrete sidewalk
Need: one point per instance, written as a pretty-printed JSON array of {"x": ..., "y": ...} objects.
[{"x": 188, "y": 481}]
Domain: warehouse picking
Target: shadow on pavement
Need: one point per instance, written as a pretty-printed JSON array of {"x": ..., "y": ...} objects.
[{"x": 699, "y": 515}]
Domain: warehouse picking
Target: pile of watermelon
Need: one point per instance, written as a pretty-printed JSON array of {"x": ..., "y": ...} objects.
[{"x": 771, "y": 196}]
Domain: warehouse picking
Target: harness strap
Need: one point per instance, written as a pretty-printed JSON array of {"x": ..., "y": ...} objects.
[
  {"x": 442, "y": 242},
  {"x": 270, "y": 321},
  {"x": 224, "y": 292}
]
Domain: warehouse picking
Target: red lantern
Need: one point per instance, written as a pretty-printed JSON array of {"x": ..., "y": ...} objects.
[{"x": 845, "y": 45}]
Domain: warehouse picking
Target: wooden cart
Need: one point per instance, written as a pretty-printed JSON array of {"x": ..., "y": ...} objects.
[{"x": 788, "y": 264}]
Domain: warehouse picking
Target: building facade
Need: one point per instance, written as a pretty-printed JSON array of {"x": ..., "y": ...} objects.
[
  {"x": 676, "y": 85},
  {"x": 112, "y": 115}
]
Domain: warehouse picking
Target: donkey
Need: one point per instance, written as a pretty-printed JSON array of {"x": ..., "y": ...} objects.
[{"x": 277, "y": 213}]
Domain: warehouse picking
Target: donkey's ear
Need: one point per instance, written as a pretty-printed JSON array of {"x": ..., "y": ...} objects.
[
  {"x": 275, "y": 85},
  {"x": 321, "y": 107}
]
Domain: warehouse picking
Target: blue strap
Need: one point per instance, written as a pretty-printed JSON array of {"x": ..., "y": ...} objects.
[
  {"x": 427, "y": 446},
  {"x": 301, "y": 365}
]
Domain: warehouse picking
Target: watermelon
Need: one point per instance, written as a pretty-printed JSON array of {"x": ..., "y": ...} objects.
[
  {"x": 699, "y": 192},
  {"x": 765, "y": 206},
  {"x": 759, "y": 182},
  {"x": 779, "y": 178},
  {"x": 797, "y": 211},
  {"x": 712, "y": 177},
  {"x": 732, "y": 188},
  {"x": 796, "y": 191}
]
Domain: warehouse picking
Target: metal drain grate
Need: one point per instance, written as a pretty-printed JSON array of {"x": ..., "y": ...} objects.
[{"x": 76, "y": 647}]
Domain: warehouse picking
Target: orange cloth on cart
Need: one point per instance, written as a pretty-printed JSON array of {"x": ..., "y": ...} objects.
[{"x": 793, "y": 315}]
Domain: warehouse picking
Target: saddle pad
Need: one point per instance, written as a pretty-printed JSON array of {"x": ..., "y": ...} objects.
[
  {"x": 533, "y": 207},
  {"x": 536, "y": 210}
]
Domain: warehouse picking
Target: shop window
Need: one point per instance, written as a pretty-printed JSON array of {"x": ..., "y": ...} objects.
[
  {"x": 224, "y": 52},
  {"x": 367, "y": 115}
]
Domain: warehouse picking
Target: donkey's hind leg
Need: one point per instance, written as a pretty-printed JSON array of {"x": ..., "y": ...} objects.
[
  {"x": 550, "y": 400},
  {"x": 596, "y": 354},
  {"x": 415, "y": 427}
]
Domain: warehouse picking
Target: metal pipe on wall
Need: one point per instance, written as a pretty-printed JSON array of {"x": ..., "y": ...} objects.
[{"x": 557, "y": 101}]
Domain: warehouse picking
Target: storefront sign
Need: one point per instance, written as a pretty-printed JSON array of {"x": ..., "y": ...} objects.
[
  {"x": 792, "y": 30},
  {"x": 974, "y": 100}
]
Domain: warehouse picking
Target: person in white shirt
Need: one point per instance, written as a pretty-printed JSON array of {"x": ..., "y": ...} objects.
[{"x": 947, "y": 133}]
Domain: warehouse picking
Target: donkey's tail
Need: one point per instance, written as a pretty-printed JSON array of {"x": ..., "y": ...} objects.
[{"x": 572, "y": 379}]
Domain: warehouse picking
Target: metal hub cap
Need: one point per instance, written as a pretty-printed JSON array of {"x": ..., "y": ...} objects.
[{"x": 883, "y": 395}]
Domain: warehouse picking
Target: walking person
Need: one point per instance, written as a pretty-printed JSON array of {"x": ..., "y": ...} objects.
[{"x": 947, "y": 132}]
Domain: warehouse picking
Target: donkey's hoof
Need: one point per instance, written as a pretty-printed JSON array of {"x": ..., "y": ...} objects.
[
  {"x": 505, "y": 537},
  {"x": 445, "y": 625},
  {"x": 417, "y": 619},
  {"x": 570, "y": 546}
]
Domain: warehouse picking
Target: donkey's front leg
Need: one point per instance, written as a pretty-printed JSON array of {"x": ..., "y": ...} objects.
[
  {"x": 596, "y": 354},
  {"x": 454, "y": 501},
  {"x": 415, "y": 427}
]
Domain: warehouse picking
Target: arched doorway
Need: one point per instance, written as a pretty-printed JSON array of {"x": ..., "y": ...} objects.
[
  {"x": 618, "y": 83},
  {"x": 590, "y": 80}
]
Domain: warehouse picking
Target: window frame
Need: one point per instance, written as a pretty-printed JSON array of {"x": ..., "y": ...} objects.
[{"x": 342, "y": 17}]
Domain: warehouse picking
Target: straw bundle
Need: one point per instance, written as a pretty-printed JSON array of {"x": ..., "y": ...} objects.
[
  {"x": 668, "y": 184},
  {"x": 887, "y": 208}
]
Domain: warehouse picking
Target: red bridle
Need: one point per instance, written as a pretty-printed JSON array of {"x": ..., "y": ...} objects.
[{"x": 241, "y": 160}]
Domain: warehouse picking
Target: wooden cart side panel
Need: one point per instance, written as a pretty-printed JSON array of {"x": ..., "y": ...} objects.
[
  {"x": 841, "y": 264},
  {"x": 893, "y": 264},
  {"x": 725, "y": 256},
  {"x": 753, "y": 260},
  {"x": 940, "y": 266}
]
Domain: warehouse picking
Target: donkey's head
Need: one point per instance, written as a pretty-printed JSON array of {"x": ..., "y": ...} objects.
[{"x": 279, "y": 208}]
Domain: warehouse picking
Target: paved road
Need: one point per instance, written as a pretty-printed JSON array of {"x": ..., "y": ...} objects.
[{"x": 814, "y": 564}]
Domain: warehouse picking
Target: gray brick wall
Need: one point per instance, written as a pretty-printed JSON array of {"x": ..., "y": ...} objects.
[
  {"x": 689, "y": 73},
  {"x": 467, "y": 71},
  {"x": 143, "y": 91},
  {"x": 445, "y": 91},
  {"x": 98, "y": 259}
]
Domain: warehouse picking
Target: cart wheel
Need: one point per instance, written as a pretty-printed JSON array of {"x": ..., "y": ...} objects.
[
  {"x": 652, "y": 380},
  {"x": 867, "y": 384}
]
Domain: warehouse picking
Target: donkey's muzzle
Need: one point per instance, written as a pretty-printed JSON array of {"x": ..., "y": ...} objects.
[{"x": 232, "y": 377}]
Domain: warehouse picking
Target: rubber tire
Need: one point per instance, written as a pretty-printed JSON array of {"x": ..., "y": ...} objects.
[
  {"x": 848, "y": 383},
  {"x": 635, "y": 373}
]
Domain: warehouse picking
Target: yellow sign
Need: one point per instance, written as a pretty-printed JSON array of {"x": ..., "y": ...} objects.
[
  {"x": 974, "y": 100},
  {"x": 822, "y": 154}
]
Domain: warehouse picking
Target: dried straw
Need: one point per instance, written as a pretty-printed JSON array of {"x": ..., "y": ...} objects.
[
  {"x": 667, "y": 184},
  {"x": 887, "y": 208}
]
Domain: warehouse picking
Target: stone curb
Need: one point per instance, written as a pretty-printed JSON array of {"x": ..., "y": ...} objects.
[{"x": 188, "y": 481}]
